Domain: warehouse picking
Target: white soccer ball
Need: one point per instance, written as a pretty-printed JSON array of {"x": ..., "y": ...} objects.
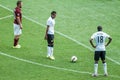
[{"x": 73, "y": 59}]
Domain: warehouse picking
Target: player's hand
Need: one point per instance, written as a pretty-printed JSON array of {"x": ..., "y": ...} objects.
[
  {"x": 45, "y": 37},
  {"x": 106, "y": 45},
  {"x": 94, "y": 46},
  {"x": 21, "y": 27}
]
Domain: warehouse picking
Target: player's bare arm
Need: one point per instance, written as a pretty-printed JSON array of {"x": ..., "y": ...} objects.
[
  {"x": 110, "y": 39},
  {"x": 19, "y": 22},
  {"x": 92, "y": 43},
  {"x": 46, "y": 32}
]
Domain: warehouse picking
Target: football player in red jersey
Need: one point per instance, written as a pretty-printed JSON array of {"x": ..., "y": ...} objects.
[{"x": 17, "y": 24}]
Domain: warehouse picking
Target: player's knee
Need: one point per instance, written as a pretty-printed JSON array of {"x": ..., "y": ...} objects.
[
  {"x": 103, "y": 61},
  {"x": 96, "y": 62},
  {"x": 17, "y": 36},
  {"x": 51, "y": 45}
]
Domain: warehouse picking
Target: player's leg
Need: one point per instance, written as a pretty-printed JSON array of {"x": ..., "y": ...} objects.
[
  {"x": 16, "y": 39},
  {"x": 96, "y": 59},
  {"x": 103, "y": 53},
  {"x": 50, "y": 46},
  {"x": 17, "y": 33}
]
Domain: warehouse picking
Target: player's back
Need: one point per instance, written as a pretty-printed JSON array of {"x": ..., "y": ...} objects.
[{"x": 100, "y": 38}]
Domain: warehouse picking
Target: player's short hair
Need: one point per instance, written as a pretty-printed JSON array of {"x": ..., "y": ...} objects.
[
  {"x": 99, "y": 28},
  {"x": 18, "y": 2},
  {"x": 53, "y": 12}
]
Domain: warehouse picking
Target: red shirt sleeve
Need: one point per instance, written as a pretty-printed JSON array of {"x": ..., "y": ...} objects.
[{"x": 17, "y": 12}]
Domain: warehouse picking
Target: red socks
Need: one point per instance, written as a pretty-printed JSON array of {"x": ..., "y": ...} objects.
[{"x": 16, "y": 41}]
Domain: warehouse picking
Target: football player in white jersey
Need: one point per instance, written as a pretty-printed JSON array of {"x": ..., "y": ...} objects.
[
  {"x": 49, "y": 35},
  {"x": 100, "y": 51}
]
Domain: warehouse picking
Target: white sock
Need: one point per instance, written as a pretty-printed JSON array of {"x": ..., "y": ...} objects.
[
  {"x": 51, "y": 48},
  {"x": 105, "y": 68},
  {"x": 96, "y": 68},
  {"x": 48, "y": 51}
]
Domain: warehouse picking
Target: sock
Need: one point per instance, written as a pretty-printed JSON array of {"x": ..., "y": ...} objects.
[
  {"x": 51, "y": 48},
  {"x": 16, "y": 41},
  {"x": 105, "y": 68},
  {"x": 49, "y": 51},
  {"x": 95, "y": 68}
]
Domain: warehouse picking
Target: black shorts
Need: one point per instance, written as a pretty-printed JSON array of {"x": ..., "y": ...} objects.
[
  {"x": 50, "y": 38},
  {"x": 99, "y": 54}
]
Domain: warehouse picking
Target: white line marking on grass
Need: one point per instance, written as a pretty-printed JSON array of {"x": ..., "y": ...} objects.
[
  {"x": 39, "y": 64},
  {"x": 52, "y": 67},
  {"x": 66, "y": 36},
  {"x": 6, "y": 17}
]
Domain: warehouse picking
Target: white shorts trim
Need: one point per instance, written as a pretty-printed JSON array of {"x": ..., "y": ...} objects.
[{"x": 17, "y": 30}]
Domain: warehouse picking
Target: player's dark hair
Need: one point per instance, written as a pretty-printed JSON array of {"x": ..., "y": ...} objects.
[
  {"x": 53, "y": 12},
  {"x": 18, "y": 2},
  {"x": 99, "y": 28}
]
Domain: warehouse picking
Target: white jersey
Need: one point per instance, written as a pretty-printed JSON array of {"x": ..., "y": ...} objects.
[
  {"x": 99, "y": 38},
  {"x": 51, "y": 23}
]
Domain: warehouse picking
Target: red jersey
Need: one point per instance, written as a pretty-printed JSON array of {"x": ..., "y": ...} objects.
[{"x": 17, "y": 13}]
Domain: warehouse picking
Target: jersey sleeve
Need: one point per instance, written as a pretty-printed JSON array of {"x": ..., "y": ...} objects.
[
  {"x": 93, "y": 36},
  {"x": 106, "y": 35},
  {"x": 48, "y": 22},
  {"x": 17, "y": 12}
]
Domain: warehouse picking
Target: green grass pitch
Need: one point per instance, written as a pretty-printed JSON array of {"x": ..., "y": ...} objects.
[{"x": 76, "y": 21}]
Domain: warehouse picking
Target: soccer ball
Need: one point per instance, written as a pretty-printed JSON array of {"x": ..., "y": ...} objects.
[{"x": 73, "y": 59}]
